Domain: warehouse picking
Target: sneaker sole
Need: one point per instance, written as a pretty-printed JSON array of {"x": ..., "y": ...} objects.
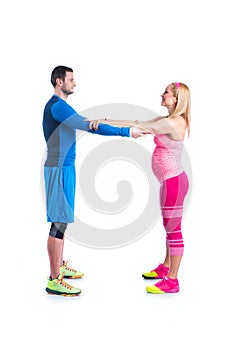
[
  {"x": 151, "y": 278},
  {"x": 73, "y": 277},
  {"x": 54, "y": 292}
]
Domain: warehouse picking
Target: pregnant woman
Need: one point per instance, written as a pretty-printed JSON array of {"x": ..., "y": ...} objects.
[{"x": 169, "y": 134}]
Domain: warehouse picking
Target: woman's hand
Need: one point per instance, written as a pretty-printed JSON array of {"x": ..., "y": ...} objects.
[{"x": 137, "y": 132}]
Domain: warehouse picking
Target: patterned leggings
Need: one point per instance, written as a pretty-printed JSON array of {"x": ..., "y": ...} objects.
[{"x": 172, "y": 194}]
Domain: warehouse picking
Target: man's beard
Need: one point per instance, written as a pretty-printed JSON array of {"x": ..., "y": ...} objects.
[{"x": 67, "y": 92}]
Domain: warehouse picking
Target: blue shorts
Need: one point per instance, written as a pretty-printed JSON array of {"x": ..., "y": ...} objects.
[{"x": 60, "y": 185}]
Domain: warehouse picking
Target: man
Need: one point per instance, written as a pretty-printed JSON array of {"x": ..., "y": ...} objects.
[{"x": 60, "y": 122}]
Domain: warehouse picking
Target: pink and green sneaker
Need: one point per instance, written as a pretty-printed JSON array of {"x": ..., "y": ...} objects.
[
  {"x": 157, "y": 273},
  {"x": 167, "y": 285},
  {"x": 69, "y": 272},
  {"x": 58, "y": 286}
]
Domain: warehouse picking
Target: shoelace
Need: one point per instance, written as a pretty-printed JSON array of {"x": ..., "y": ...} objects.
[
  {"x": 64, "y": 284},
  {"x": 67, "y": 267},
  {"x": 159, "y": 268},
  {"x": 164, "y": 279}
]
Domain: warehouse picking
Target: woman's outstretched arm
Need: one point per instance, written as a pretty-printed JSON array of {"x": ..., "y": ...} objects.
[{"x": 123, "y": 123}]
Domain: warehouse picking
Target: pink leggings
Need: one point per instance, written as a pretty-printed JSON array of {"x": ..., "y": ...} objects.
[{"x": 172, "y": 194}]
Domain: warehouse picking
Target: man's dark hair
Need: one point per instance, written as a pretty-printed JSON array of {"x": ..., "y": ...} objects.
[{"x": 59, "y": 72}]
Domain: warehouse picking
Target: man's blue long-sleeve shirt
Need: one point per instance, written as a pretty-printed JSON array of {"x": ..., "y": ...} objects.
[{"x": 60, "y": 122}]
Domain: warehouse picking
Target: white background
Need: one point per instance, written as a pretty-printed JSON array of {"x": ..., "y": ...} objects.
[{"x": 125, "y": 52}]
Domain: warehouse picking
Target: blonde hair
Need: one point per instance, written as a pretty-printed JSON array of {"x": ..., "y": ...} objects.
[{"x": 183, "y": 105}]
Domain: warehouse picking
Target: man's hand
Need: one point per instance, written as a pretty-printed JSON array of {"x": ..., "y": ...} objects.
[{"x": 136, "y": 132}]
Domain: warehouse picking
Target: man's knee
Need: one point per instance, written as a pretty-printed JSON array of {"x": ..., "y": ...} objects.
[{"x": 57, "y": 229}]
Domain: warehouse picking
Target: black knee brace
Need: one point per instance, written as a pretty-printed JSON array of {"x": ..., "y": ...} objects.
[{"x": 57, "y": 229}]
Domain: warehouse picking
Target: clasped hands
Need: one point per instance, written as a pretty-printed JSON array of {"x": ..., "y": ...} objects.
[{"x": 136, "y": 131}]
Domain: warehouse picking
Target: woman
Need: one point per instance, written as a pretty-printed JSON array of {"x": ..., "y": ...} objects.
[{"x": 169, "y": 134}]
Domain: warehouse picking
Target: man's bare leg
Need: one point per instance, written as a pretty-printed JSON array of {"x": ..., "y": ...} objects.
[{"x": 55, "y": 252}]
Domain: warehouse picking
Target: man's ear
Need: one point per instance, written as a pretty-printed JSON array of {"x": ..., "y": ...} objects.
[{"x": 59, "y": 82}]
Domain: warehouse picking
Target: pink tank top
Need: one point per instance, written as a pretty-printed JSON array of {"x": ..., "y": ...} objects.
[{"x": 166, "y": 158}]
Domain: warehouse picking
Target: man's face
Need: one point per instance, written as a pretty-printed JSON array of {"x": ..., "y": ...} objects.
[{"x": 68, "y": 84}]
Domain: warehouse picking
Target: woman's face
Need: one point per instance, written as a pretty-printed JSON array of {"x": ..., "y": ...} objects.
[{"x": 168, "y": 99}]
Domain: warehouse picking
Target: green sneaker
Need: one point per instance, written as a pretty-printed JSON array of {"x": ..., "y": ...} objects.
[
  {"x": 59, "y": 287},
  {"x": 69, "y": 272}
]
